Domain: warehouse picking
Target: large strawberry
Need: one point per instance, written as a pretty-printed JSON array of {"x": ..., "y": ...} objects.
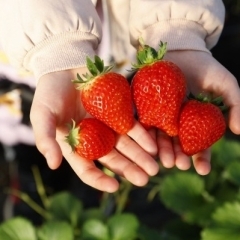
[
  {"x": 202, "y": 123},
  {"x": 91, "y": 138},
  {"x": 106, "y": 96},
  {"x": 158, "y": 89}
]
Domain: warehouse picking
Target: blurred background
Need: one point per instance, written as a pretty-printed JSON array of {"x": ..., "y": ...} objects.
[{"x": 18, "y": 155}]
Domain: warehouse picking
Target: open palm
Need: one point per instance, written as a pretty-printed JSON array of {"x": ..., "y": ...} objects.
[
  {"x": 55, "y": 103},
  {"x": 203, "y": 73}
]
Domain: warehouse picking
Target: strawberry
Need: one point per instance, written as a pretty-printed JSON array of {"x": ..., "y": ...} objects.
[
  {"x": 202, "y": 123},
  {"x": 91, "y": 138},
  {"x": 158, "y": 88},
  {"x": 106, "y": 96}
]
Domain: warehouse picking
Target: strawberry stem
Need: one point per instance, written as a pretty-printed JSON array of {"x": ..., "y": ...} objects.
[{"x": 147, "y": 55}]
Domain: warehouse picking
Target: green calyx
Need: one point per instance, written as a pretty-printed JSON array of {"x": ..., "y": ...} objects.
[
  {"x": 147, "y": 55},
  {"x": 209, "y": 98},
  {"x": 73, "y": 135},
  {"x": 95, "y": 68}
]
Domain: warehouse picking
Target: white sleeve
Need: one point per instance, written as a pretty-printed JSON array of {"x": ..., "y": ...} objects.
[
  {"x": 43, "y": 36},
  {"x": 184, "y": 24}
]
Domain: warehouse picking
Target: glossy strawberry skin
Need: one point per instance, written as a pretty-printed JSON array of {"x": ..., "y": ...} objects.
[
  {"x": 158, "y": 92},
  {"x": 201, "y": 125},
  {"x": 95, "y": 139},
  {"x": 108, "y": 98}
]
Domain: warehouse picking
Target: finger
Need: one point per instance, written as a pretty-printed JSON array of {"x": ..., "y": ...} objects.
[
  {"x": 143, "y": 138},
  {"x": 234, "y": 116},
  {"x": 86, "y": 170},
  {"x": 125, "y": 168},
  {"x": 44, "y": 126},
  {"x": 231, "y": 98},
  {"x": 165, "y": 149},
  {"x": 182, "y": 161},
  {"x": 201, "y": 162},
  {"x": 153, "y": 133},
  {"x": 132, "y": 151}
]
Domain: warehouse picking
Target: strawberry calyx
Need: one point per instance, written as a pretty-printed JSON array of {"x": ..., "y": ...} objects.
[
  {"x": 209, "y": 98},
  {"x": 96, "y": 68},
  {"x": 73, "y": 135},
  {"x": 147, "y": 55}
]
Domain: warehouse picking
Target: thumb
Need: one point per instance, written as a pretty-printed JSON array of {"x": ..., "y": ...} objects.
[{"x": 44, "y": 128}]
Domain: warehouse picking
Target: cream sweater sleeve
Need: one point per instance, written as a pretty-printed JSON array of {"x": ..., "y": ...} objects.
[
  {"x": 43, "y": 36},
  {"x": 184, "y": 24}
]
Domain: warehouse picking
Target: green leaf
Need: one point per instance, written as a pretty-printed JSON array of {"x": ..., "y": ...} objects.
[
  {"x": 79, "y": 79},
  {"x": 177, "y": 229},
  {"x": 226, "y": 223},
  {"x": 141, "y": 57},
  {"x": 225, "y": 192},
  {"x": 17, "y": 228},
  {"x": 55, "y": 230},
  {"x": 99, "y": 63},
  {"x": 151, "y": 54},
  {"x": 201, "y": 215},
  {"x": 123, "y": 226},
  {"x": 226, "y": 151},
  {"x": 228, "y": 215},
  {"x": 220, "y": 234},
  {"x": 232, "y": 172},
  {"x": 162, "y": 50},
  {"x": 92, "y": 67},
  {"x": 64, "y": 206},
  {"x": 94, "y": 229},
  {"x": 146, "y": 233},
  {"x": 182, "y": 191},
  {"x": 92, "y": 213},
  {"x": 212, "y": 179}
]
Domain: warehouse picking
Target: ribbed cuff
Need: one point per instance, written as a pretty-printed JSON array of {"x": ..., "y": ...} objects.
[
  {"x": 179, "y": 35},
  {"x": 60, "y": 52}
]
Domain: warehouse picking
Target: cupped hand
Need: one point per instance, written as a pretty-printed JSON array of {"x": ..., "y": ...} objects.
[
  {"x": 56, "y": 102},
  {"x": 203, "y": 73}
]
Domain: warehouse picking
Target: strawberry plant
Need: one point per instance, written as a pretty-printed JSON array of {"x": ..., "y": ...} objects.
[
  {"x": 206, "y": 207},
  {"x": 64, "y": 217},
  {"x": 201, "y": 207}
]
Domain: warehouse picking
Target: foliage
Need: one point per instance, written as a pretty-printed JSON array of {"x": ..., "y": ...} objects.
[
  {"x": 64, "y": 217},
  {"x": 209, "y": 203},
  {"x": 202, "y": 207}
]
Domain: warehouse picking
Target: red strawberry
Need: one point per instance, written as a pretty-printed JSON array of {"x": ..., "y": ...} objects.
[
  {"x": 158, "y": 89},
  {"x": 202, "y": 123},
  {"x": 107, "y": 96},
  {"x": 91, "y": 138}
]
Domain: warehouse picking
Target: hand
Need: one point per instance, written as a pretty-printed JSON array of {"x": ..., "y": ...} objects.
[
  {"x": 55, "y": 103},
  {"x": 203, "y": 73}
]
